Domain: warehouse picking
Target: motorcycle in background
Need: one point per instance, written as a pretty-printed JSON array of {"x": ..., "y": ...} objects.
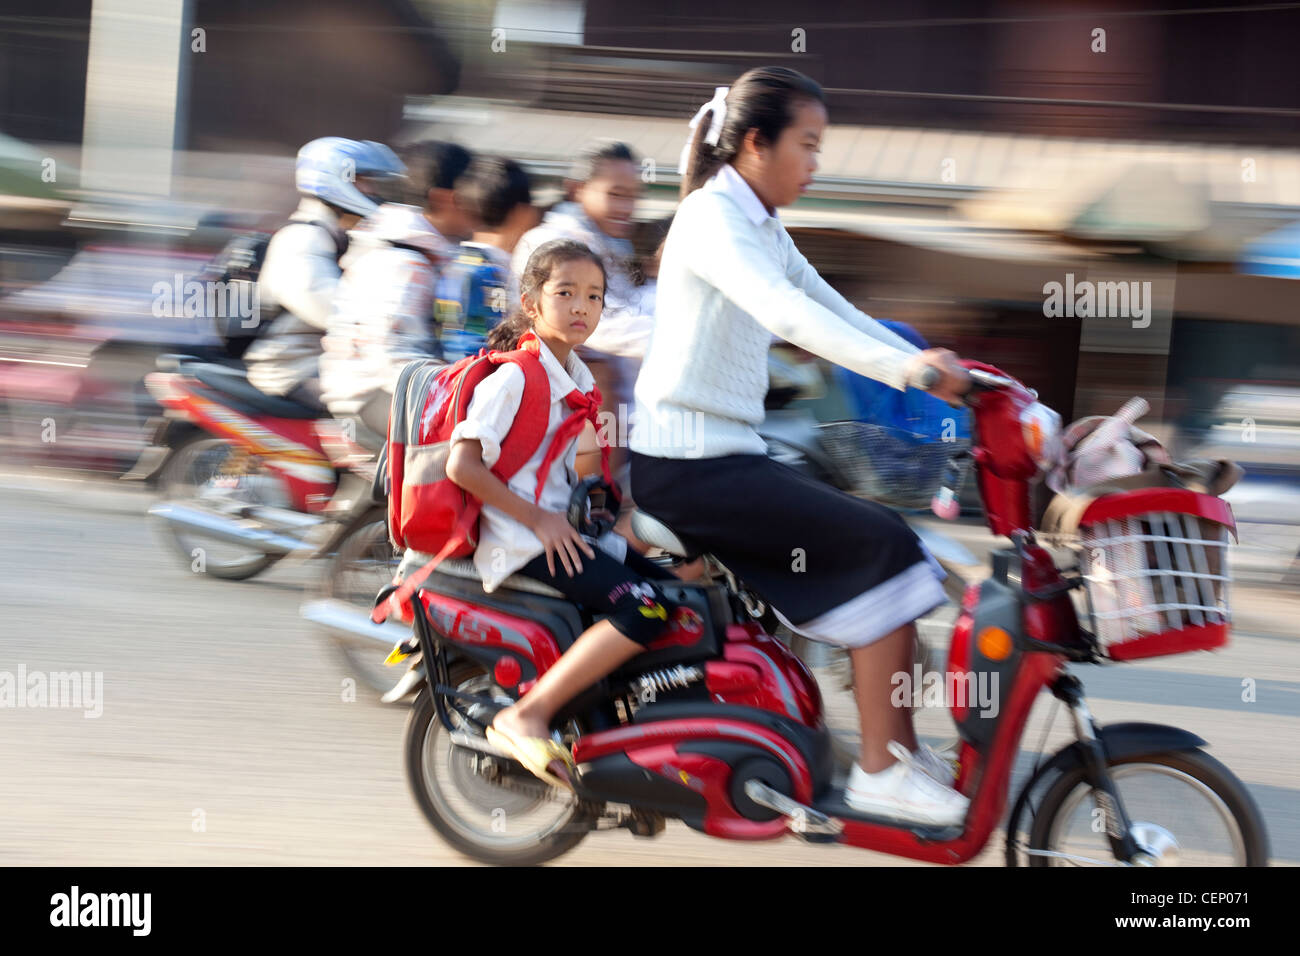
[{"x": 247, "y": 479}]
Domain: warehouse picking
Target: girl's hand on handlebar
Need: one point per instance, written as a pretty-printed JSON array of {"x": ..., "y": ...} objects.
[
  {"x": 954, "y": 381},
  {"x": 559, "y": 537}
]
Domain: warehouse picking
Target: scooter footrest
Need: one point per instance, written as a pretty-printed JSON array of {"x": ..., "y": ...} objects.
[{"x": 833, "y": 805}]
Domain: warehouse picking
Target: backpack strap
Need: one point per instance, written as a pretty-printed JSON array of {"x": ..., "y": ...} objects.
[
  {"x": 338, "y": 235},
  {"x": 529, "y": 427}
]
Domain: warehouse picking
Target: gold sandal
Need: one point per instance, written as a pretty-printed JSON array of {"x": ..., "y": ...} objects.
[{"x": 536, "y": 754}]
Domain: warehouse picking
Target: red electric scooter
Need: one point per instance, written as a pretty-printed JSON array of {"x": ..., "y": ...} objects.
[{"x": 718, "y": 725}]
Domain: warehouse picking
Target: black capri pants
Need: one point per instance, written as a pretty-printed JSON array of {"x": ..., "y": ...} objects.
[{"x": 623, "y": 590}]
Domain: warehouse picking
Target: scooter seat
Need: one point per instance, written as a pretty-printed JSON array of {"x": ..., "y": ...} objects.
[
  {"x": 654, "y": 532},
  {"x": 464, "y": 568},
  {"x": 234, "y": 383}
]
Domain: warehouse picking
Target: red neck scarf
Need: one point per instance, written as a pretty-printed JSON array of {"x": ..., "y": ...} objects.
[{"x": 585, "y": 409}]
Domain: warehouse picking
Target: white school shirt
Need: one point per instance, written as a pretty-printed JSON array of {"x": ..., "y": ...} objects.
[
  {"x": 506, "y": 545},
  {"x": 730, "y": 279}
]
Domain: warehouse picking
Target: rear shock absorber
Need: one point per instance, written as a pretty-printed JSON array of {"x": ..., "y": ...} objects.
[{"x": 652, "y": 683}]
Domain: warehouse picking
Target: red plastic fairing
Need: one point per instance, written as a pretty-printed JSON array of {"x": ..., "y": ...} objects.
[
  {"x": 1003, "y": 464},
  {"x": 653, "y": 746},
  {"x": 727, "y": 680},
  {"x": 743, "y": 632},
  {"x": 785, "y": 684},
  {"x": 959, "y": 649},
  {"x": 290, "y": 447},
  {"x": 1204, "y": 637},
  {"x": 988, "y": 802},
  {"x": 466, "y": 623},
  {"x": 709, "y": 777},
  {"x": 1143, "y": 500},
  {"x": 1053, "y": 622}
]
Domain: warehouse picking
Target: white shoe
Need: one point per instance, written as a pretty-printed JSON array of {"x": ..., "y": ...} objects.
[
  {"x": 905, "y": 791},
  {"x": 937, "y": 765}
]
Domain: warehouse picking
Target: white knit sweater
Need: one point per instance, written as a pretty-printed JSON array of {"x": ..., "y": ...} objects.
[{"x": 730, "y": 279}]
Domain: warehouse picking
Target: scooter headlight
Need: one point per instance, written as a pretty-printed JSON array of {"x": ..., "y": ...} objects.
[{"x": 1041, "y": 428}]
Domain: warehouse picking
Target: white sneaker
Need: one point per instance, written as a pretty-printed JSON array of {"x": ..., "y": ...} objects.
[
  {"x": 906, "y": 792},
  {"x": 937, "y": 765}
]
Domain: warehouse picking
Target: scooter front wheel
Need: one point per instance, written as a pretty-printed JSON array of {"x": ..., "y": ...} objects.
[
  {"x": 1185, "y": 807},
  {"x": 485, "y": 806}
]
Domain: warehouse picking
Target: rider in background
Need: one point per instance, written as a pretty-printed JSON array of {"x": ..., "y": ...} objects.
[
  {"x": 340, "y": 180},
  {"x": 604, "y": 184},
  {"x": 383, "y": 311},
  {"x": 473, "y": 287}
]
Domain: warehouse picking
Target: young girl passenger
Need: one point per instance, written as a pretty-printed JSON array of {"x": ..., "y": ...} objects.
[{"x": 562, "y": 294}]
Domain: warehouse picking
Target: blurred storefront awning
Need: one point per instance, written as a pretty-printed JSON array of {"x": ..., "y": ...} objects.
[
  {"x": 1274, "y": 254},
  {"x": 919, "y": 166}
]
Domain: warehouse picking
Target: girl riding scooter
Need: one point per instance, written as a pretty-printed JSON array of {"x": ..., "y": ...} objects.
[{"x": 730, "y": 278}]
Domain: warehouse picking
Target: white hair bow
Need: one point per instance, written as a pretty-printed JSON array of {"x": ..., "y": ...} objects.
[{"x": 719, "y": 106}]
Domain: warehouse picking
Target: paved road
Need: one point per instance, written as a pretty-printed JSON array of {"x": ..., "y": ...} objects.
[{"x": 224, "y": 736}]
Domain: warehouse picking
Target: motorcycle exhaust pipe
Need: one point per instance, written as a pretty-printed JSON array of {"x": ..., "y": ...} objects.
[
  {"x": 227, "y": 529},
  {"x": 348, "y": 620}
]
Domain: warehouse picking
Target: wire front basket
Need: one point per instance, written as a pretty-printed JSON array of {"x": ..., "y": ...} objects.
[
  {"x": 1156, "y": 580},
  {"x": 895, "y": 467}
]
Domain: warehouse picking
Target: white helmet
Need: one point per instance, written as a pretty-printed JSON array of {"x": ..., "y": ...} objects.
[{"x": 328, "y": 168}]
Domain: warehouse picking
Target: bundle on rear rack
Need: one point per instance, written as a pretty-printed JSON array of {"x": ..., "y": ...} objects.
[{"x": 1155, "y": 568}]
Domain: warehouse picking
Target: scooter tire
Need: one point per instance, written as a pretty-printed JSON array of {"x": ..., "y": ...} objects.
[
  {"x": 423, "y": 721},
  {"x": 1196, "y": 764}
]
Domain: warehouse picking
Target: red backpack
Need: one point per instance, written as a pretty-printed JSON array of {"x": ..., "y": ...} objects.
[{"x": 429, "y": 512}]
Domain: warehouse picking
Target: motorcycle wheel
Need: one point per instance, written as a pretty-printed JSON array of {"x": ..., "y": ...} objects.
[
  {"x": 188, "y": 471},
  {"x": 475, "y": 801},
  {"x": 363, "y": 564},
  {"x": 1185, "y": 793}
]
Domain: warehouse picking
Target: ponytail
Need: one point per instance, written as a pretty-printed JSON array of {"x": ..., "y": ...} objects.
[
  {"x": 505, "y": 335},
  {"x": 704, "y": 159},
  {"x": 764, "y": 98}
]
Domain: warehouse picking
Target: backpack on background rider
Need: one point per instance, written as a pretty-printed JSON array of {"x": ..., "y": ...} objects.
[
  {"x": 239, "y": 261},
  {"x": 471, "y": 299}
]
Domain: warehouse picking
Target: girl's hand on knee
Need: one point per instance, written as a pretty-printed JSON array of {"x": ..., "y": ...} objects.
[{"x": 559, "y": 537}]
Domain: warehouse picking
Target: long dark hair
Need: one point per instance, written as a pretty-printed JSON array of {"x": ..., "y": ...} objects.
[
  {"x": 765, "y": 99},
  {"x": 543, "y": 260}
]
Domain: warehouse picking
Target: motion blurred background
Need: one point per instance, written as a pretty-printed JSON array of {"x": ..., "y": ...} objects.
[{"x": 978, "y": 152}]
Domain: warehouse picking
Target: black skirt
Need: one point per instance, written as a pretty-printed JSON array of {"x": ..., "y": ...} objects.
[{"x": 804, "y": 547}]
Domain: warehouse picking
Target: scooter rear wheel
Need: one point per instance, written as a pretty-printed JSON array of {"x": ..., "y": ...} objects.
[{"x": 487, "y": 822}]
